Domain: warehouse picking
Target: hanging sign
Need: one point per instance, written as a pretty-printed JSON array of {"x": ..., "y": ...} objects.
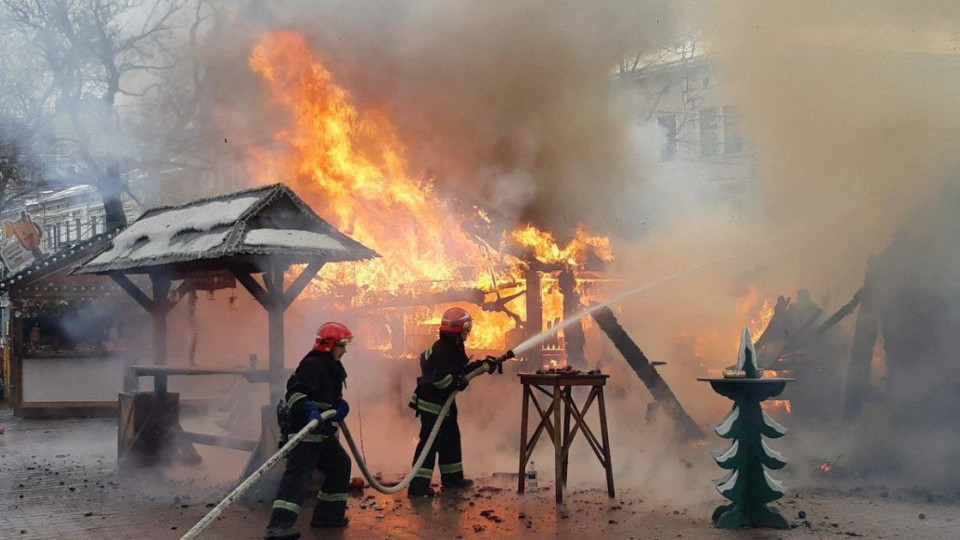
[{"x": 20, "y": 242}]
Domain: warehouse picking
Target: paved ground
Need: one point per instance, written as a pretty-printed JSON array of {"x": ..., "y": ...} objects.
[{"x": 58, "y": 480}]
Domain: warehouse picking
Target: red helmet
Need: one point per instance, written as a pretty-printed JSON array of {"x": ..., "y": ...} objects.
[
  {"x": 456, "y": 320},
  {"x": 330, "y": 334}
]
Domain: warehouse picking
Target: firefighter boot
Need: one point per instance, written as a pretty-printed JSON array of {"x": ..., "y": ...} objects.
[
  {"x": 329, "y": 516},
  {"x": 459, "y": 483},
  {"x": 420, "y": 488},
  {"x": 282, "y": 533},
  {"x": 330, "y": 510},
  {"x": 281, "y": 526}
]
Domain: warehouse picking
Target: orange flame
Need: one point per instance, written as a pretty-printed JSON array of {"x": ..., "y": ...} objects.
[
  {"x": 353, "y": 168},
  {"x": 777, "y": 404},
  {"x": 350, "y": 166},
  {"x": 761, "y": 309},
  {"x": 545, "y": 248}
]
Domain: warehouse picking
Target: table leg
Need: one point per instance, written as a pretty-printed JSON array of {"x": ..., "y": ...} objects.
[
  {"x": 608, "y": 464},
  {"x": 557, "y": 444},
  {"x": 521, "y": 484},
  {"x": 566, "y": 432}
]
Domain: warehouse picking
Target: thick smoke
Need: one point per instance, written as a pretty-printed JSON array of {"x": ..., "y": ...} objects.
[
  {"x": 852, "y": 106},
  {"x": 512, "y": 102},
  {"x": 853, "y": 111},
  {"x": 849, "y": 111}
]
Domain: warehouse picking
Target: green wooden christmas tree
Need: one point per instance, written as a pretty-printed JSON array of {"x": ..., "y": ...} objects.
[{"x": 748, "y": 485}]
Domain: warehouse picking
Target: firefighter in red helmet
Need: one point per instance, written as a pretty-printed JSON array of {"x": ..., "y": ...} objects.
[
  {"x": 443, "y": 369},
  {"x": 316, "y": 386}
]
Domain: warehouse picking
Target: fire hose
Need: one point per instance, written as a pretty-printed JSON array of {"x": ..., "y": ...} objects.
[{"x": 294, "y": 440}]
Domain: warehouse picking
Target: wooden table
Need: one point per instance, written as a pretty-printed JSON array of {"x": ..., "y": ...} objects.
[{"x": 559, "y": 388}]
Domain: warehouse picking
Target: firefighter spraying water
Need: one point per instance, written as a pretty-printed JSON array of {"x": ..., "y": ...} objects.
[
  {"x": 444, "y": 367},
  {"x": 328, "y": 412}
]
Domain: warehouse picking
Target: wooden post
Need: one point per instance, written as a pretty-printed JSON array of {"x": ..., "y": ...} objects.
[
  {"x": 15, "y": 384},
  {"x": 557, "y": 442},
  {"x": 861, "y": 353},
  {"x": 534, "y": 323},
  {"x": 276, "y": 301},
  {"x": 523, "y": 439},
  {"x": 687, "y": 429},
  {"x": 605, "y": 437},
  {"x": 574, "y": 340},
  {"x": 159, "y": 309},
  {"x": 568, "y": 402},
  {"x": 273, "y": 279}
]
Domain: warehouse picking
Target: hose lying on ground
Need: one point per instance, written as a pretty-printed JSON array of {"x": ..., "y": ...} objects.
[{"x": 282, "y": 453}]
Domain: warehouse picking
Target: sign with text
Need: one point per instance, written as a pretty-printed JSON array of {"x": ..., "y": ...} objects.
[{"x": 21, "y": 242}]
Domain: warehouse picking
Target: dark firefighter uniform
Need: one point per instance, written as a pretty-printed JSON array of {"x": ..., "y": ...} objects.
[
  {"x": 443, "y": 367},
  {"x": 319, "y": 379}
]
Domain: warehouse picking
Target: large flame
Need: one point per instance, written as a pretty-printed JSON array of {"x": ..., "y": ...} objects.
[
  {"x": 349, "y": 164},
  {"x": 353, "y": 170}
]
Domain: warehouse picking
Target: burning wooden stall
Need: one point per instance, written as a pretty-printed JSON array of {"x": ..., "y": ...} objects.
[
  {"x": 265, "y": 230},
  {"x": 61, "y": 328},
  {"x": 797, "y": 340},
  {"x": 906, "y": 338}
]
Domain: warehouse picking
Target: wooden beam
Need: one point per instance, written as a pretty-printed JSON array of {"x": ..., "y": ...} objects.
[
  {"x": 861, "y": 352},
  {"x": 273, "y": 279},
  {"x": 161, "y": 293},
  {"x": 183, "y": 289},
  {"x": 161, "y": 307},
  {"x": 251, "y": 285},
  {"x": 295, "y": 288},
  {"x": 131, "y": 288},
  {"x": 534, "y": 322},
  {"x": 573, "y": 337},
  {"x": 217, "y": 440},
  {"x": 687, "y": 428}
]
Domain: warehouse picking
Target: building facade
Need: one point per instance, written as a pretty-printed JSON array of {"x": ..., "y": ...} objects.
[
  {"x": 702, "y": 138},
  {"x": 67, "y": 216}
]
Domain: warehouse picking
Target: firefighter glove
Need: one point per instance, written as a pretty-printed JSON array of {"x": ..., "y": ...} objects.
[
  {"x": 313, "y": 410},
  {"x": 490, "y": 363},
  {"x": 343, "y": 409},
  {"x": 462, "y": 383}
]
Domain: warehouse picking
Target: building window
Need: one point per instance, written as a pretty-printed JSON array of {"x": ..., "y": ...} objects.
[
  {"x": 709, "y": 132},
  {"x": 58, "y": 234},
  {"x": 49, "y": 238},
  {"x": 79, "y": 229},
  {"x": 93, "y": 225},
  {"x": 668, "y": 126},
  {"x": 732, "y": 134}
]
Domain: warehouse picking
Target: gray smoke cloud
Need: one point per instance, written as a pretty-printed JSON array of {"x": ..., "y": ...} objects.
[
  {"x": 853, "y": 111},
  {"x": 512, "y": 102}
]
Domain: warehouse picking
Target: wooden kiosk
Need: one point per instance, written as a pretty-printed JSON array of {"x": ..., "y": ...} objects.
[
  {"x": 265, "y": 230},
  {"x": 59, "y": 328}
]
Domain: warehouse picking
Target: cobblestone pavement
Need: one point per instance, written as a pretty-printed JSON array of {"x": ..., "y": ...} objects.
[{"x": 58, "y": 479}]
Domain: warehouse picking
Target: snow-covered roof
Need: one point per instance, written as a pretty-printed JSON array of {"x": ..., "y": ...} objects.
[{"x": 269, "y": 221}]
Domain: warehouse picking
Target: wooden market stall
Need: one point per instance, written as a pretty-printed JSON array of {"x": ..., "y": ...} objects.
[
  {"x": 266, "y": 230},
  {"x": 63, "y": 351}
]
